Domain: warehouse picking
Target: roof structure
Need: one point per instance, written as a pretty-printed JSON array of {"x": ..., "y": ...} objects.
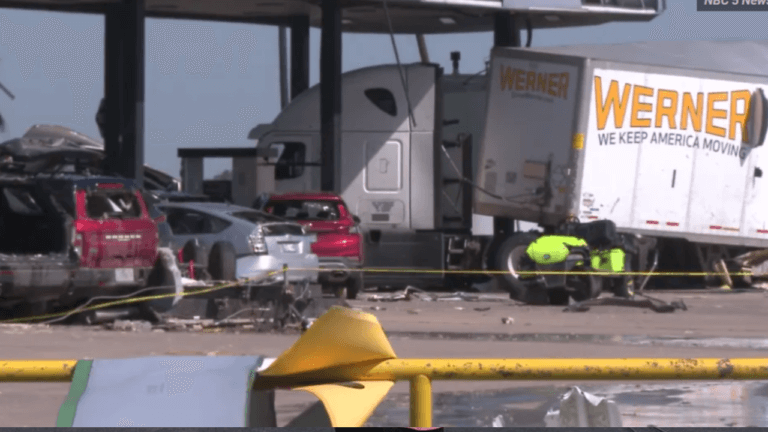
[
  {"x": 368, "y": 16},
  {"x": 749, "y": 57}
]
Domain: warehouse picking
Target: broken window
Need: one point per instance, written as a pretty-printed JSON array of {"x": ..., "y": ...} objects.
[
  {"x": 383, "y": 99},
  {"x": 190, "y": 222},
  {"x": 112, "y": 204},
  {"x": 304, "y": 210},
  {"x": 290, "y": 160},
  {"x": 29, "y": 223}
]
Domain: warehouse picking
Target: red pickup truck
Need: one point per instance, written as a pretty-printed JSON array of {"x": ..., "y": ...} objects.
[{"x": 339, "y": 245}]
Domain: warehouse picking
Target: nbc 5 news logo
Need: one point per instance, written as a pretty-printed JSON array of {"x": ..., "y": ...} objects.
[{"x": 732, "y": 5}]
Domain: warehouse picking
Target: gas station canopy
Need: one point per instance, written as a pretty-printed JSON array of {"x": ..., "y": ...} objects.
[{"x": 368, "y": 16}]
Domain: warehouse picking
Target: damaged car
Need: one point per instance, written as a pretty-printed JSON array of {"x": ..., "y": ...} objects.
[
  {"x": 68, "y": 235},
  {"x": 229, "y": 242},
  {"x": 67, "y": 238}
]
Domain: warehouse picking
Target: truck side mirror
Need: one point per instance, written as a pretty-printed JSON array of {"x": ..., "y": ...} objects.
[
  {"x": 757, "y": 123},
  {"x": 356, "y": 219}
]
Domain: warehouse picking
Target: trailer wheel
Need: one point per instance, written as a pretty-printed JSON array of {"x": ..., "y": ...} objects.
[
  {"x": 222, "y": 262},
  {"x": 510, "y": 260}
]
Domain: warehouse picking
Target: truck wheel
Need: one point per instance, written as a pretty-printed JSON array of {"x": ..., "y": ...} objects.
[
  {"x": 585, "y": 287},
  {"x": 354, "y": 284},
  {"x": 509, "y": 260},
  {"x": 222, "y": 262}
]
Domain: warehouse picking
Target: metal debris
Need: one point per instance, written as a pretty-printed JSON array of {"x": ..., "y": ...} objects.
[
  {"x": 413, "y": 311},
  {"x": 483, "y": 309},
  {"x": 498, "y": 421},
  {"x": 652, "y": 303},
  {"x": 507, "y": 320},
  {"x": 581, "y": 409}
]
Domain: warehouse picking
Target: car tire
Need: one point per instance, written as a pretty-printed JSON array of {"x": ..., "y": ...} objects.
[
  {"x": 354, "y": 284},
  {"x": 508, "y": 260},
  {"x": 222, "y": 262}
]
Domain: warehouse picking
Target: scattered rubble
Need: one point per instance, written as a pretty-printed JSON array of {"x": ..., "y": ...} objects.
[
  {"x": 411, "y": 293},
  {"x": 129, "y": 326},
  {"x": 507, "y": 320}
]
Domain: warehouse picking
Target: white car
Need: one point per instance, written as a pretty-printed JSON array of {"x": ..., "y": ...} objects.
[{"x": 242, "y": 243}]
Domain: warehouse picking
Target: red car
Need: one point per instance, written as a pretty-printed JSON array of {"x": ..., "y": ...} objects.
[{"x": 339, "y": 243}]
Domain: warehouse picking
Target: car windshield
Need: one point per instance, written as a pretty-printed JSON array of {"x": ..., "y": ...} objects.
[
  {"x": 304, "y": 210},
  {"x": 256, "y": 217}
]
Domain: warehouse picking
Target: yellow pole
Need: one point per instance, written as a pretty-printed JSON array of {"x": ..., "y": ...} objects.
[
  {"x": 530, "y": 369},
  {"x": 466, "y": 369},
  {"x": 36, "y": 370},
  {"x": 421, "y": 401},
  {"x": 570, "y": 369}
]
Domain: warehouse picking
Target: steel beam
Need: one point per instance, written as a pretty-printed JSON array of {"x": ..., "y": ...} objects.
[
  {"x": 299, "y": 55},
  {"x": 330, "y": 95},
  {"x": 124, "y": 89},
  {"x": 505, "y": 30}
]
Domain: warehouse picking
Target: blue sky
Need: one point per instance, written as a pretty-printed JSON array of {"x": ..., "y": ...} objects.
[{"x": 209, "y": 83}]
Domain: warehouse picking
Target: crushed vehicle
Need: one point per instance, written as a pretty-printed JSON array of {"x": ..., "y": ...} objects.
[
  {"x": 61, "y": 137},
  {"x": 339, "y": 244},
  {"x": 228, "y": 242},
  {"x": 71, "y": 234},
  {"x": 67, "y": 238}
]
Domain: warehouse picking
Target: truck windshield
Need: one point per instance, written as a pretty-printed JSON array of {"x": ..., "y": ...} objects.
[
  {"x": 120, "y": 204},
  {"x": 304, "y": 210}
]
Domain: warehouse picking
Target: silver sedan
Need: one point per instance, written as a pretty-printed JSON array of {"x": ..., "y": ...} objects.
[{"x": 259, "y": 242}]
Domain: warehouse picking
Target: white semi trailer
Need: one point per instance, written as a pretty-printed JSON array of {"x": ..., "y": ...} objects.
[{"x": 665, "y": 139}]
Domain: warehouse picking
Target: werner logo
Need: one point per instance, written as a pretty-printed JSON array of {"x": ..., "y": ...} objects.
[
  {"x": 383, "y": 206},
  {"x": 644, "y": 107},
  {"x": 521, "y": 80}
]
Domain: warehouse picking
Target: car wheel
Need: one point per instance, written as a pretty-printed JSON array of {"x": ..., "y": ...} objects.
[
  {"x": 509, "y": 260},
  {"x": 340, "y": 291},
  {"x": 222, "y": 262},
  {"x": 355, "y": 284}
]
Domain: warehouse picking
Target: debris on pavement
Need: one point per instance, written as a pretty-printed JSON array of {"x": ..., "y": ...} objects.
[
  {"x": 130, "y": 326},
  {"x": 483, "y": 309},
  {"x": 377, "y": 308},
  {"x": 498, "y": 421},
  {"x": 413, "y": 311},
  {"x": 411, "y": 293},
  {"x": 507, "y": 320},
  {"x": 581, "y": 409},
  {"x": 652, "y": 303},
  {"x": 459, "y": 308}
]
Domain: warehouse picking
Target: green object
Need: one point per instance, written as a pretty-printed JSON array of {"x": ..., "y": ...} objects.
[
  {"x": 76, "y": 389},
  {"x": 611, "y": 260},
  {"x": 552, "y": 249}
]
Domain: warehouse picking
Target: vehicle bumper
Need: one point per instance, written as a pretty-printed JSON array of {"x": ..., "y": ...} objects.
[
  {"x": 337, "y": 270},
  {"x": 259, "y": 267},
  {"x": 32, "y": 284}
]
